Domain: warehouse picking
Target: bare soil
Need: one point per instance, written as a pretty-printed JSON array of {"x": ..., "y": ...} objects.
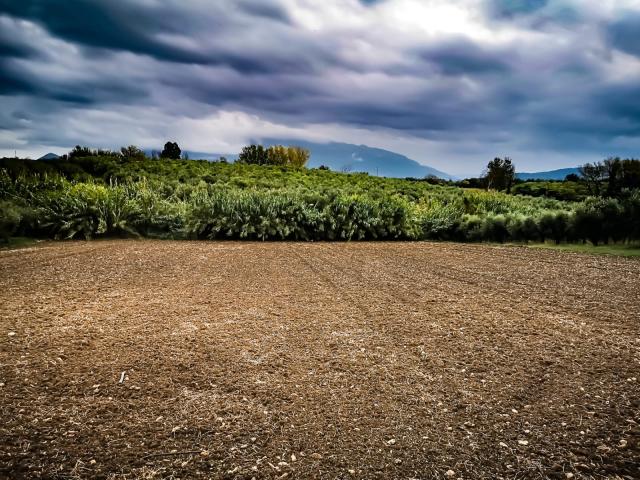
[{"x": 344, "y": 360}]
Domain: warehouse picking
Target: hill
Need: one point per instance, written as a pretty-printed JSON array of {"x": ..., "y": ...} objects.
[
  {"x": 362, "y": 158},
  {"x": 559, "y": 174},
  {"x": 49, "y": 156},
  {"x": 347, "y": 157}
]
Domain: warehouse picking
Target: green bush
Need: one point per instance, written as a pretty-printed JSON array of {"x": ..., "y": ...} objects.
[
  {"x": 110, "y": 195},
  {"x": 10, "y": 219}
]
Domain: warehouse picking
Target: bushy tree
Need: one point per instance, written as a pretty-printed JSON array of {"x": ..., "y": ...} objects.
[
  {"x": 171, "y": 150},
  {"x": 132, "y": 153},
  {"x": 298, "y": 156},
  {"x": 572, "y": 177},
  {"x": 593, "y": 175},
  {"x": 630, "y": 173},
  {"x": 80, "y": 152},
  {"x": 500, "y": 174},
  {"x": 84, "y": 152},
  {"x": 613, "y": 167},
  {"x": 253, "y": 155},
  {"x": 278, "y": 155},
  {"x": 554, "y": 227}
]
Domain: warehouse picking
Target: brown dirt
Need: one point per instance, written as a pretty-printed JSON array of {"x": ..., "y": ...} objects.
[{"x": 358, "y": 360}]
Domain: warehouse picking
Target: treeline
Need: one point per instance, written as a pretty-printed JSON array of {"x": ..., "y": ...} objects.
[
  {"x": 276, "y": 155},
  {"x": 611, "y": 177},
  {"x": 89, "y": 197}
]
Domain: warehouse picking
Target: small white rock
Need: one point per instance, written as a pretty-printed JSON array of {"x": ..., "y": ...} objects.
[
  {"x": 523, "y": 442},
  {"x": 502, "y": 444},
  {"x": 391, "y": 442},
  {"x": 12, "y": 334},
  {"x": 450, "y": 473}
]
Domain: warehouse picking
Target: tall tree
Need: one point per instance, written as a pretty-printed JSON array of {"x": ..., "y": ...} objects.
[
  {"x": 630, "y": 173},
  {"x": 500, "y": 174},
  {"x": 132, "y": 153},
  {"x": 298, "y": 156},
  {"x": 171, "y": 150},
  {"x": 613, "y": 167},
  {"x": 593, "y": 175},
  {"x": 253, "y": 154}
]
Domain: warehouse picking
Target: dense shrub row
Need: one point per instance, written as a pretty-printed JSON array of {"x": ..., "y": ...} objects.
[{"x": 49, "y": 206}]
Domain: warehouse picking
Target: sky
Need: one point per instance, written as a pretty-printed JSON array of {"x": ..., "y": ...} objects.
[{"x": 451, "y": 84}]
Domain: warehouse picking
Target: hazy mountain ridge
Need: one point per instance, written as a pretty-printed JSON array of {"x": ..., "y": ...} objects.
[
  {"x": 362, "y": 158},
  {"x": 559, "y": 174}
]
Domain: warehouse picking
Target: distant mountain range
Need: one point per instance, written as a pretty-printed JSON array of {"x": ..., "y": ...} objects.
[
  {"x": 361, "y": 158},
  {"x": 346, "y": 157},
  {"x": 559, "y": 174},
  {"x": 349, "y": 157}
]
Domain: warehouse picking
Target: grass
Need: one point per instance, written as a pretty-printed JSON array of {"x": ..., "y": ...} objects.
[
  {"x": 17, "y": 242},
  {"x": 623, "y": 250}
]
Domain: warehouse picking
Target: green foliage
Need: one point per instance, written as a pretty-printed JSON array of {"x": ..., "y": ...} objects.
[
  {"x": 285, "y": 216},
  {"x": 254, "y": 155},
  {"x": 132, "y": 153},
  {"x": 10, "y": 218},
  {"x": 120, "y": 196},
  {"x": 568, "y": 190},
  {"x": 171, "y": 150},
  {"x": 500, "y": 174},
  {"x": 276, "y": 155}
]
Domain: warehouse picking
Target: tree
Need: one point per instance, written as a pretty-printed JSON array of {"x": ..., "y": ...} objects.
[
  {"x": 298, "y": 156},
  {"x": 572, "y": 177},
  {"x": 593, "y": 175},
  {"x": 278, "y": 155},
  {"x": 132, "y": 153},
  {"x": 171, "y": 150},
  {"x": 613, "y": 167},
  {"x": 253, "y": 155},
  {"x": 630, "y": 173},
  {"x": 500, "y": 174},
  {"x": 80, "y": 152}
]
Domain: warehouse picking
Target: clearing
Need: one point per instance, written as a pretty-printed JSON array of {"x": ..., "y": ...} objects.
[{"x": 317, "y": 360}]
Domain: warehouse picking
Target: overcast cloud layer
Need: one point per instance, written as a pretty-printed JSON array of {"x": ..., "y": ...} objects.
[{"x": 552, "y": 83}]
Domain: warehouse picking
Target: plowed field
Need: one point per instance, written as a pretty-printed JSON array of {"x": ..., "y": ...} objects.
[{"x": 343, "y": 360}]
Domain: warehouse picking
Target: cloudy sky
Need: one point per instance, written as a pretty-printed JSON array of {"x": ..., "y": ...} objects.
[{"x": 551, "y": 83}]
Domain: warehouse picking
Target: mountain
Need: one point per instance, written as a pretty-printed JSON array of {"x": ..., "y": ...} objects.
[
  {"x": 49, "y": 156},
  {"x": 559, "y": 174},
  {"x": 345, "y": 157},
  {"x": 361, "y": 158}
]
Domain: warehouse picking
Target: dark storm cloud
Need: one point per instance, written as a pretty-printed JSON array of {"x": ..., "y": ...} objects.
[
  {"x": 462, "y": 56},
  {"x": 265, "y": 10},
  {"x": 107, "y": 24},
  {"x": 530, "y": 72},
  {"x": 625, "y": 33}
]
